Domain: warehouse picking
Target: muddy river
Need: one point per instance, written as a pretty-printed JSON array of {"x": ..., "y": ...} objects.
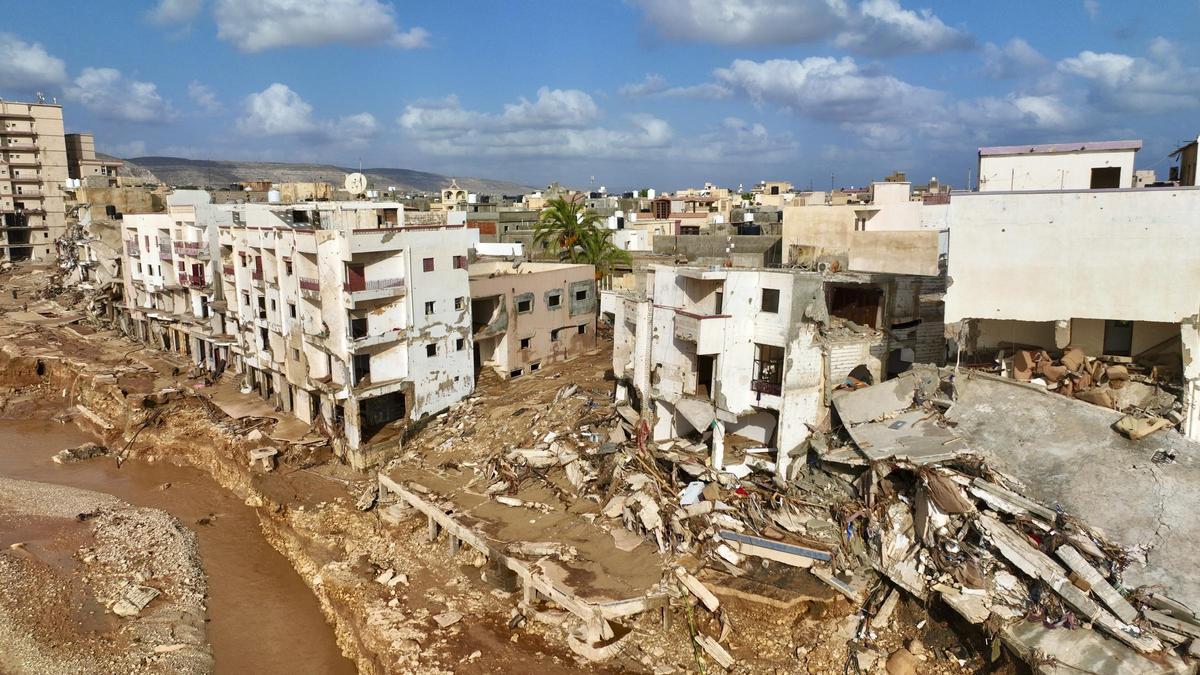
[{"x": 262, "y": 618}]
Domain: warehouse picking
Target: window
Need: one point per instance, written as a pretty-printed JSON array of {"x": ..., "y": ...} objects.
[
  {"x": 292, "y": 309},
  {"x": 1106, "y": 177},
  {"x": 429, "y": 308},
  {"x": 460, "y": 262},
  {"x": 288, "y": 267},
  {"x": 431, "y": 349},
  {"x": 515, "y": 373},
  {"x": 428, "y": 264},
  {"x": 296, "y": 354},
  {"x": 770, "y": 300},
  {"x": 554, "y": 300},
  {"x": 583, "y": 329},
  {"x": 460, "y": 302},
  {"x": 768, "y": 370},
  {"x": 581, "y": 294},
  {"x": 272, "y": 304},
  {"x": 358, "y": 327},
  {"x": 460, "y": 344},
  {"x": 246, "y": 299},
  {"x": 525, "y": 343},
  {"x": 534, "y": 367},
  {"x": 524, "y": 306},
  {"x": 554, "y": 335}
]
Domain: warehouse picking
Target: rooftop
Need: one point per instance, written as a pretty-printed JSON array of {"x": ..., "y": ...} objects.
[
  {"x": 504, "y": 267},
  {"x": 1049, "y": 148}
]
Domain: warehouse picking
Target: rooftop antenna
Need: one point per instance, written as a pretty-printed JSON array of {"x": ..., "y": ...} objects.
[{"x": 41, "y": 98}]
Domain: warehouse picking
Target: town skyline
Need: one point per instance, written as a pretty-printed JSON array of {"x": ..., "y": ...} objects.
[{"x": 663, "y": 93}]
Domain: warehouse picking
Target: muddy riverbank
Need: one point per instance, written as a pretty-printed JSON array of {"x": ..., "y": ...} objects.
[{"x": 261, "y": 615}]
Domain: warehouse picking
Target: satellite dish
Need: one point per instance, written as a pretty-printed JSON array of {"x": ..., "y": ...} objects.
[{"x": 356, "y": 183}]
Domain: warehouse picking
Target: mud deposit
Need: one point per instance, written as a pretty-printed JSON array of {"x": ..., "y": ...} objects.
[{"x": 262, "y": 617}]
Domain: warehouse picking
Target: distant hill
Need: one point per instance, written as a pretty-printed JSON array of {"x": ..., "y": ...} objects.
[{"x": 219, "y": 173}]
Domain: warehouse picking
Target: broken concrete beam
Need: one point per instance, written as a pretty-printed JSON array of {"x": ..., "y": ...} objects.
[
  {"x": 697, "y": 589},
  {"x": 1107, "y": 594},
  {"x": 884, "y": 615},
  {"x": 93, "y": 417},
  {"x": 761, "y": 547},
  {"x": 1158, "y": 618},
  {"x": 836, "y": 584},
  {"x": 971, "y": 606},
  {"x": 1014, "y": 499},
  {"x": 715, "y": 650}
]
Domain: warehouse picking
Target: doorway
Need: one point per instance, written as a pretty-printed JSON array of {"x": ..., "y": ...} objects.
[{"x": 1118, "y": 338}]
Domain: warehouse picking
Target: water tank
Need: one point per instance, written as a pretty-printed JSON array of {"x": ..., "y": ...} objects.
[
  {"x": 273, "y": 196},
  {"x": 650, "y": 193}
]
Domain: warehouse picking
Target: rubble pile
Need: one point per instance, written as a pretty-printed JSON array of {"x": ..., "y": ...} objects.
[{"x": 1109, "y": 382}]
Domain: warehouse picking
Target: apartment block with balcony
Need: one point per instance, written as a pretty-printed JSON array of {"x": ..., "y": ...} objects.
[
  {"x": 528, "y": 315},
  {"x": 85, "y": 166},
  {"x": 755, "y": 353},
  {"x": 33, "y": 168}
]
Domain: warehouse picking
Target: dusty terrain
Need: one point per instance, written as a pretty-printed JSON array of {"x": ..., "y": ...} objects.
[
  {"x": 401, "y": 603},
  {"x": 67, "y": 556}
]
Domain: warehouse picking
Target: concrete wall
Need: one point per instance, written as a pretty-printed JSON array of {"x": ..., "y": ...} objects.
[
  {"x": 1127, "y": 254},
  {"x": 1050, "y": 171}
]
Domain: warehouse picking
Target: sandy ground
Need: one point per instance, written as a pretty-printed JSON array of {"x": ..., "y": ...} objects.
[{"x": 66, "y": 556}]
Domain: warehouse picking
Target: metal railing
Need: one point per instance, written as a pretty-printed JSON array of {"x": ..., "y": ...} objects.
[
  {"x": 375, "y": 284},
  {"x": 309, "y": 284}
]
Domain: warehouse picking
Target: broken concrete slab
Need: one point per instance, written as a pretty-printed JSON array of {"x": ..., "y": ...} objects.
[
  {"x": 913, "y": 436},
  {"x": 134, "y": 600},
  {"x": 871, "y": 403},
  {"x": 1064, "y": 453},
  {"x": 1083, "y": 651}
]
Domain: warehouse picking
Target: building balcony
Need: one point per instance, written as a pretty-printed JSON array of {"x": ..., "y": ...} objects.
[
  {"x": 25, "y": 179},
  {"x": 194, "y": 249},
  {"x": 196, "y": 281},
  {"x": 707, "y": 331},
  {"x": 366, "y": 341},
  {"x": 766, "y": 387},
  {"x": 164, "y": 253},
  {"x": 373, "y": 289},
  {"x": 16, "y": 147},
  {"x": 24, "y": 163},
  {"x": 27, "y": 133},
  {"x": 132, "y": 250},
  {"x": 228, "y": 271}
]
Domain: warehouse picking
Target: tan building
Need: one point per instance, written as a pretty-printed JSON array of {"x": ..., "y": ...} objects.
[
  {"x": 33, "y": 168},
  {"x": 528, "y": 315},
  {"x": 83, "y": 164}
]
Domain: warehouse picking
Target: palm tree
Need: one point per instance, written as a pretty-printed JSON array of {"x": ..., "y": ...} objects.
[
  {"x": 597, "y": 249},
  {"x": 564, "y": 224}
]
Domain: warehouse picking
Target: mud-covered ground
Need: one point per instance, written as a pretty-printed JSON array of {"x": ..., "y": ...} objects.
[{"x": 67, "y": 557}]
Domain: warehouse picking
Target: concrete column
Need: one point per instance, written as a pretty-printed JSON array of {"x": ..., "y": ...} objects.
[
  {"x": 1190, "y": 337},
  {"x": 1062, "y": 333},
  {"x": 718, "y": 445}
]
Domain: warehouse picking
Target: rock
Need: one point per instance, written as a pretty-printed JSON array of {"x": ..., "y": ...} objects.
[
  {"x": 902, "y": 662},
  {"x": 385, "y": 576},
  {"x": 446, "y": 619},
  {"x": 409, "y": 646},
  {"x": 366, "y": 501},
  {"x": 134, "y": 601},
  {"x": 867, "y": 660},
  {"x": 167, "y": 649},
  {"x": 78, "y": 454},
  {"x": 916, "y": 647},
  {"x": 474, "y": 655}
]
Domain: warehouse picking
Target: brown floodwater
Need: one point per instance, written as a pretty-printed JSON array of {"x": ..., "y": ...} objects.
[{"x": 262, "y": 617}]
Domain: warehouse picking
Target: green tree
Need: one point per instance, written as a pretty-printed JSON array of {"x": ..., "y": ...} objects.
[
  {"x": 563, "y": 226},
  {"x": 597, "y": 249}
]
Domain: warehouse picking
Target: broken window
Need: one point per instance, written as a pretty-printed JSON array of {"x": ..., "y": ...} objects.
[
  {"x": 362, "y": 368},
  {"x": 431, "y": 349},
  {"x": 525, "y": 342},
  {"x": 460, "y": 302},
  {"x": 583, "y": 329},
  {"x": 429, "y": 308},
  {"x": 1106, "y": 177},
  {"x": 770, "y": 300},
  {"x": 427, "y": 264},
  {"x": 768, "y": 370},
  {"x": 460, "y": 344},
  {"x": 554, "y": 335},
  {"x": 358, "y": 327},
  {"x": 460, "y": 262}
]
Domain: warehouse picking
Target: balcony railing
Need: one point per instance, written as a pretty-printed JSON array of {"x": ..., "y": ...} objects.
[
  {"x": 309, "y": 284},
  {"x": 375, "y": 284},
  {"x": 164, "y": 252},
  {"x": 193, "y": 280},
  {"x": 194, "y": 249},
  {"x": 766, "y": 387},
  {"x": 228, "y": 270},
  {"x": 131, "y": 248}
]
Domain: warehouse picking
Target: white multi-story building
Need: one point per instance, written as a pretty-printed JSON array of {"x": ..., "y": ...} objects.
[
  {"x": 349, "y": 314},
  {"x": 33, "y": 168},
  {"x": 754, "y": 352}
]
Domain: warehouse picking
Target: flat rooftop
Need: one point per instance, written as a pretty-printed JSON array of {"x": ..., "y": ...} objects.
[
  {"x": 506, "y": 268},
  {"x": 1050, "y": 148}
]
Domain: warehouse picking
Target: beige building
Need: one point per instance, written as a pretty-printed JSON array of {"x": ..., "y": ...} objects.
[
  {"x": 83, "y": 164},
  {"x": 33, "y": 168},
  {"x": 528, "y": 315}
]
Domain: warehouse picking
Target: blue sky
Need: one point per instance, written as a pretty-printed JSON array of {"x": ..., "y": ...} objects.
[{"x": 666, "y": 93}]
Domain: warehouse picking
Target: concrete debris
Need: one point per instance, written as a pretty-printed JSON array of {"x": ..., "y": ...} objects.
[
  {"x": 447, "y": 619},
  {"x": 134, "y": 600},
  {"x": 78, "y": 454},
  {"x": 716, "y": 651}
]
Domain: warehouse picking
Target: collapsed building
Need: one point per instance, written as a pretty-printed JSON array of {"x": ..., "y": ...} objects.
[{"x": 1009, "y": 296}]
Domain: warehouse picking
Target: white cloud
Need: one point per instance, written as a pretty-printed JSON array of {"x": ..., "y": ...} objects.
[
  {"x": 553, "y": 109},
  {"x": 1123, "y": 83},
  {"x": 110, "y": 94},
  {"x": 828, "y": 89},
  {"x": 1015, "y": 59},
  {"x": 654, "y": 85},
  {"x": 883, "y": 28},
  {"x": 875, "y": 27},
  {"x": 28, "y": 65},
  {"x": 272, "y": 24},
  {"x": 204, "y": 97},
  {"x": 174, "y": 12},
  {"x": 1092, "y": 7},
  {"x": 279, "y": 111}
]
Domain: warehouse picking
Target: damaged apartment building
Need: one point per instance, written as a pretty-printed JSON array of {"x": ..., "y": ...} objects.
[
  {"x": 1059, "y": 252},
  {"x": 348, "y": 315},
  {"x": 527, "y": 315},
  {"x": 755, "y": 352}
]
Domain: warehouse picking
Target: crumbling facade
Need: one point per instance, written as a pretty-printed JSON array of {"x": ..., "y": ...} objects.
[
  {"x": 530, "y": 314},
  {"x": 341, "y": 313},
  {"x": 33, "y": 168}
]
